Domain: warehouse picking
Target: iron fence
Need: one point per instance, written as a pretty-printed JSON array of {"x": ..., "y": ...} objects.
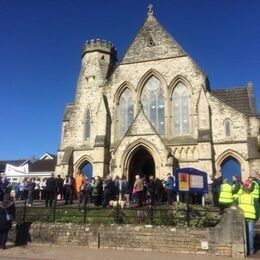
[{"x": 178, "y": 215}]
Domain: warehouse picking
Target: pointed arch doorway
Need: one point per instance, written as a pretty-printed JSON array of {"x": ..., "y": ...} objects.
[
  {"x": 230, "y": 167},
  {"x": 141, "y": 162},
  {"x": 87, "y": 168}
]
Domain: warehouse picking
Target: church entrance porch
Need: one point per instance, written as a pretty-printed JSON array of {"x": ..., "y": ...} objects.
[{"x": 142, "y": 163}]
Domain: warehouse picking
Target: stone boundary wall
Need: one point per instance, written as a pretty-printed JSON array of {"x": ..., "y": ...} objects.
[{"x": 226, "y": 239}]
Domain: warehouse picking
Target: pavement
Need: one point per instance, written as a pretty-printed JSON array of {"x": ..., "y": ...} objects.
[{"x": 51, "y": 252}]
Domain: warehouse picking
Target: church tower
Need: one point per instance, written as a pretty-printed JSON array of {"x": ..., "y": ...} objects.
[{"x": 89, "y": 115}]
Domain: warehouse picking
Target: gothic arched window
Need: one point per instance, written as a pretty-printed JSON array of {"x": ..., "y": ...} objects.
[
  {"x": 227, "y": 126},
  {"x": 180, "y": 104},
  {"x": 153, "y": 103},
  {"x": 87, "y": 125},
  {"x": 126, "y": 104}
]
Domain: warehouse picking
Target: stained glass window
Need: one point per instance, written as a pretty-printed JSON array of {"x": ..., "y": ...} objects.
[
  {"x": 126, "y": 105},
  {"x": 154, "y": 104},
  {"x": 180, "y": 104},
  {"x": 87, "y": 124}
]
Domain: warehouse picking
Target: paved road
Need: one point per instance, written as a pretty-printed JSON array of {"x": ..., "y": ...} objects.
[{"x": 50, "y": 252}]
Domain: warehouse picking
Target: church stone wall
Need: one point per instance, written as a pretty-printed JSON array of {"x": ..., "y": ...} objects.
[
  {"x": 206, "y": 146},
  {"x": 220, "y": 112},
  {"x": 253, "y": 126},
  {"x": 169, "y": 70}
]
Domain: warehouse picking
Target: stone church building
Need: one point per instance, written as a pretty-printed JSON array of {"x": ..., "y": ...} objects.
[{"x": 154, "y": 111}]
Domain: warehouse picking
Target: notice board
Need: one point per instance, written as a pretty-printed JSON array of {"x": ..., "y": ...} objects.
[{"x": 191, "y": 180}]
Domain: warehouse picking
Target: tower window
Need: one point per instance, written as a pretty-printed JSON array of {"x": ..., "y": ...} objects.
[{"x": 87, "y": 125}]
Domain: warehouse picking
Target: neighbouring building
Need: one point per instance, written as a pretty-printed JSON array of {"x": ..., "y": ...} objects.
[
  {"x": 17, "y": 170},
  {"x": 154, "y": 111}
]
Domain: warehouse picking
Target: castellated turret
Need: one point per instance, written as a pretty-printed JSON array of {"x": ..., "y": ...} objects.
[
  {"x": 86, "y": 123},
  {"x": 98, "y": 60}
]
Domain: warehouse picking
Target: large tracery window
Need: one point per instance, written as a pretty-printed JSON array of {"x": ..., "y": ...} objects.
[
  {"x": 87, "y": 125},
  {"x": 153, "y": 103},
  {"x": 180, "y": 104},
  {"x": 126, "y": 104}
]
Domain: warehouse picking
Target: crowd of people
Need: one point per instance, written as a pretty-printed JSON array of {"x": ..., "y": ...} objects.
[
  {"x": 245, "y": 195},
  {"x": 97, "y": 190},
  {"x": 141, "y": 191}
]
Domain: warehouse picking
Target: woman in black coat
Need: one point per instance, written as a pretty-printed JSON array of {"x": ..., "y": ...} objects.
[{"x": 7, "y": 214}]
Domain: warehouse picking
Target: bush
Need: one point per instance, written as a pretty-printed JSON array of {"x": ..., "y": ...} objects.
[{"x": 182, "y": 215}]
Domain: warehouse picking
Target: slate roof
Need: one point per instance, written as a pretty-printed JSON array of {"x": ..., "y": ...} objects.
[
  {"x": 43, "y": 166},
  {"x": 240, "y": 98}
]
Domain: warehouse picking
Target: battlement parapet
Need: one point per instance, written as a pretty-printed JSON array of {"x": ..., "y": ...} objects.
[{"x": 99, "y": 45}]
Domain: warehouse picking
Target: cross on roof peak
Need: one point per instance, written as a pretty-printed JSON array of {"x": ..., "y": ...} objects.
[{"x": 150, "y": 9}]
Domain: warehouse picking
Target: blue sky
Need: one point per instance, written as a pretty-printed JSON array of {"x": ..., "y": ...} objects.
[{"x": 41, "y": 41}]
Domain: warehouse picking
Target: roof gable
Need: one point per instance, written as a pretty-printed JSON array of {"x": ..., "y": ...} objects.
[
  {"x": 48, "y": 156},
  {"x": 152, "y": 42}
]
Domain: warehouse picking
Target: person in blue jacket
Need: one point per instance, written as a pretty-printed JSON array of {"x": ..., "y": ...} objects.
[{"x": 170, "y": 188}]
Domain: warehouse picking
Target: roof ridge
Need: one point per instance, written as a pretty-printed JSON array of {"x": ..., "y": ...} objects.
[{"x": 229, "y": 88}]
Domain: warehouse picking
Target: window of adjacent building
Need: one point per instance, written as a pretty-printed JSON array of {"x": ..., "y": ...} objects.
[
  {"x": 180, "y": 104},
  {"x": 126, "y": 104},
  {"x": 153, "y": 104},
  {"x": 87, "y": 124},
  {"x": 227, "y": 125}
]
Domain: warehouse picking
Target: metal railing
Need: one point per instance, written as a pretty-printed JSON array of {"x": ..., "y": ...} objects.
[{"x": 178, "y": 215}]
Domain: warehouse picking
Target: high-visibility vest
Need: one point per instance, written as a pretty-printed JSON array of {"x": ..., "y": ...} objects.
[
  {"x": 255, "y": 192},
  {"x": 240, "y": 191},
  {"x": 246, "y": 204},
  {"x": 225, "y": 196}
]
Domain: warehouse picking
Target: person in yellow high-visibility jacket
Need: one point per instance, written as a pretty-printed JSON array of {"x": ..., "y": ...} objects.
[
  {"x": 254, "y": 187},
  {"x": 247, "y": 203},
  {"x": 254, "y": 190},
  {"x": 225, "y": 196},
  {"x": 237, "y": 187}
]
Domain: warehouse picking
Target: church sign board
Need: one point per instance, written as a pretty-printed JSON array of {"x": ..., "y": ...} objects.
[{"x": 191, "y": 180}]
